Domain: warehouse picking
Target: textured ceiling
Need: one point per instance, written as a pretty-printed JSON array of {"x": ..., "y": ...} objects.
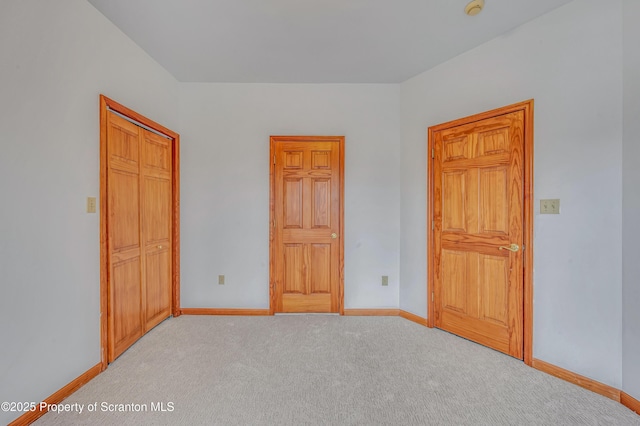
[{"x": 311, "y": 41}]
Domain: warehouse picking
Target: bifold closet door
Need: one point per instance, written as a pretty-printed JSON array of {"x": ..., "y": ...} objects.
[
  {"x": 139, "y": 232},
  {"x": 156, "y": 228}
]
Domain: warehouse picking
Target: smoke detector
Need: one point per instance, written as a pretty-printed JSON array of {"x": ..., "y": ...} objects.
[{"x": 474, "y": 7}]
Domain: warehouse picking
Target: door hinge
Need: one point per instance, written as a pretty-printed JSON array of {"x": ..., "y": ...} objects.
[
  {"x": 274, "y": 223},
  {"x": 433, "y": 225},
  {"x": 274, "y": 160},
  {"x": 432, "y": 297},
  {"x": 433, "y": 153}
]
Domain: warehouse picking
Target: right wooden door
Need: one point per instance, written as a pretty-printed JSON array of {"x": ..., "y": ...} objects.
[{"x": 478, "y": 199}]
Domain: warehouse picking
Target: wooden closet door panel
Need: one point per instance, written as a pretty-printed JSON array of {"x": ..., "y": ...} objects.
[
  {"x": 125, "y": 254},
  {"x": 157, "y": 211},
  {"x": 126, "y": 303},
  {"x": 124, "y": 230},
  {"x": 156, "y": 227},
  {"x": 157, "y": 294}
]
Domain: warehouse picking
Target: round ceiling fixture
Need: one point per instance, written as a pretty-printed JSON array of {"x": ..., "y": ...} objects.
[{"x": 474, "y": 7}]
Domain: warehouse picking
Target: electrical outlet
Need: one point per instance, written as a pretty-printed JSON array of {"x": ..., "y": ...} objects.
[
  {"x": 550, "y": 206},
  {"x": 91, "y": 204},
  {"x": 221, "y": 279},
  {"x": 385, "y": 280}
]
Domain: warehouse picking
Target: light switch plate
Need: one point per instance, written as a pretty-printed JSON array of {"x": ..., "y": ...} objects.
[
  {"x": 91, "y": 204},
  {"x": 551, "y": 206},
  {"x": 221, "y": 279},
  {"x": 385, "y": 280}
]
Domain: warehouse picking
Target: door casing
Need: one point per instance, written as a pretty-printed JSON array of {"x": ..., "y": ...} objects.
[
  {"x": 527, "y": 108},
  {"x": 107, "y": 104},
  {"x": 272, "y": 216}
]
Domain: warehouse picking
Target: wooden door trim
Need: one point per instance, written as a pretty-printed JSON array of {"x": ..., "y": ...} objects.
[
  {"x": 272, "y": 246},
  {"x": 105, "y": 105},
  {"x": 527, "y": 108}
]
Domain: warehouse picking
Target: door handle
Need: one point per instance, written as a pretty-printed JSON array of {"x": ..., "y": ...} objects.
[
  {"x": 513, "y": 247},
  {"x": 334, "y": 235}
]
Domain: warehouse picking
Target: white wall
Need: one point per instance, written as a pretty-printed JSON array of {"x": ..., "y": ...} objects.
[
  {"x": 225, "y": 181},
  {"x": 57, "y": 57},
  {"x": 570, "y": 61},
  {"x": 631, "y": 202}
]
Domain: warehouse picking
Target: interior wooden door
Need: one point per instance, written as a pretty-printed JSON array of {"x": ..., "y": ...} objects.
[
  {"x": 306, "y": 238},
  {"x": 139, "y": 232},
  {"x": 478, "y": 198}
]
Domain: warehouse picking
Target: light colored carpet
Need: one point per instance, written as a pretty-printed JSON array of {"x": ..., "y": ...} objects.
[{"x": 312, "y": 370}]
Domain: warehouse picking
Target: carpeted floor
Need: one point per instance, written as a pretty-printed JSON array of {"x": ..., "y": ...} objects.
[{"x": 308, "y": 370}]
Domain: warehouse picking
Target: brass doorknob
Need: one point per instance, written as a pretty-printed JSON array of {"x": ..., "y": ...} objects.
[
  {"x": 512, "y": 247},
  {"x": 334, "y": 235}
]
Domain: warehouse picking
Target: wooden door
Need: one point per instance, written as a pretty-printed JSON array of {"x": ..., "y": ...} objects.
[
  {"x": 307, "y": 217},
  {"x": 478, "y": 238},
  {"x": 138, "y": 207}
]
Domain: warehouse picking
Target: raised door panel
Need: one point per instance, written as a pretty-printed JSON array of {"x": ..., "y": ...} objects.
[
  {"x": 454, "y": 206},
  {"x": 455, "y": 279},
  {"x": 125, "y": 304},
  {"x": 293, "y": 203},
  {"x": 156, "y": 154},
  {"x": 455, "y": 148},
  {"x": 494, "y": 201},
  {"x": 158, "y": 289},
  {"x": 494, "y": 284},
  {"x": 124, "y": 230},
  {"x": 123, "y": 144},
  {"x": 321, "y": 199},
  {"x": 320, "y": 268},
  {"x": 321, "y": 160},
  {"x": 293, "y": 160},
  {"x": 294, "y": 276},
  {"x": 493, "y": 142},
  {"x": 157, "y": 210}
]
